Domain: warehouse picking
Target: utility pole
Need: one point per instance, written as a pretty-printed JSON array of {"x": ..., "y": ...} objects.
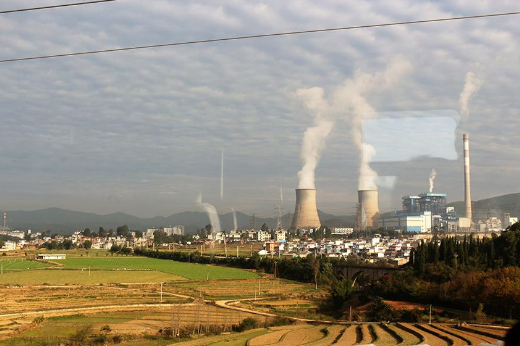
[
  {"x": 430, "y": 315},
  {"x": 237, "y": 251},
  {"x": 161, "y": 290}
]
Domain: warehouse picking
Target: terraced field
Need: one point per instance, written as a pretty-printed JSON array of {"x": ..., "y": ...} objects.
[
  {"x": 236, "y": 289},
  {"x": 362, "y": 334}
]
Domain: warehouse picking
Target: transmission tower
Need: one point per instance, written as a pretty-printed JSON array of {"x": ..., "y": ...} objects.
[
  {"x": 252, "y": 221},
  {"x": 279, "y": 212}
]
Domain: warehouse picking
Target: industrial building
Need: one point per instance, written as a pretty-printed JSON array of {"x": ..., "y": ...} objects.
[
  {"x": 410, "y": 222},
  {"x": 434, "y": 202}
]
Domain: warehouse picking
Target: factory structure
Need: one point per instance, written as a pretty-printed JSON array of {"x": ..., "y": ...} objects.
[
  {"x": 420, "y": 213},
  {"x": 305, "y": 211}
]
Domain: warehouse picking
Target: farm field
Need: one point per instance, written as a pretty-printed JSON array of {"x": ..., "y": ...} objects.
[
  {"x": 324, "y": 335},
  {"x": 237, "y": 289},
  {"x": 9, "y": 264},
  {"x": 134, "y": 327},
  {"x": 187, "y": 270},
  {"x": 74, "y": 277},
  {"x": 18, "y": 299}
]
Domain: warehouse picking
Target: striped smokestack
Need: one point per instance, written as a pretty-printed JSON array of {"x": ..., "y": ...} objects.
[{"x": 467, "y": 184}]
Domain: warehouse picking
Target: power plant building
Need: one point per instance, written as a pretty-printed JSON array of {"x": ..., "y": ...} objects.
[
  {"x": 414, "y": 222},
  {"x": 434, "y": 202}
]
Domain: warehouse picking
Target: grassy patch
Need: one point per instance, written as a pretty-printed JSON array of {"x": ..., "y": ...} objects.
[
  {"x": 186, "y": 270},
  {"x": 9, "y": 264}
]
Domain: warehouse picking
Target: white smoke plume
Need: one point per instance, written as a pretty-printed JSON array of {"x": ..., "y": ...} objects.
[
  {"x": 348, "y": 102},
  {"x": 314, "y": 137},
  {"x": 222, "y": 176},
  {"x": 433, "y": 174},
  {"x": 235, "y": 223},
  {"x": 212, "y": 214},
  {"x": 281, "y": 192},
  {"x": 472, "y": 84}
]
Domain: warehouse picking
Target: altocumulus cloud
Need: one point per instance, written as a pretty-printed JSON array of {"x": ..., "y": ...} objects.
[{"x": 141, "y": 132}]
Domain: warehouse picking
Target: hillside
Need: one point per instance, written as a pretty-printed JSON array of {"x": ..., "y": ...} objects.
[
  {"x": 495, "y": 206},
  {"x": 67, "y": 221}
]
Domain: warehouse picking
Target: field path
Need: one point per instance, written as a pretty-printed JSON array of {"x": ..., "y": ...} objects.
[{"x": 229, "y": 304}]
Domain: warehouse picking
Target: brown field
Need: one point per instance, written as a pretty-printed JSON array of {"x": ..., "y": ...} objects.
[
  {"x": 348, "y": 338},
  {"x": 40, "y": 298}
]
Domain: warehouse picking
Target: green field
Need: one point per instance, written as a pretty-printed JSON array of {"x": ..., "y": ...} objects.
[
  {"x": 8, "y": 264},
  {"x": 187, "y": 270},
  {"x": 78, "y": 277}
]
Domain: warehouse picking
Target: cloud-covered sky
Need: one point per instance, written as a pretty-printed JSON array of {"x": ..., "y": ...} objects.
[{"x": 142, "y": 131}]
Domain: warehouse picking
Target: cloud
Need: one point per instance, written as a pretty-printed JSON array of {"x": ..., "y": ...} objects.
[{"x": 77, "y": 130}]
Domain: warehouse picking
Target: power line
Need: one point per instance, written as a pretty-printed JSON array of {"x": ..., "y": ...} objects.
[
  {"x": 55, "y": 6},
  {"x": 236, "y": 38}
]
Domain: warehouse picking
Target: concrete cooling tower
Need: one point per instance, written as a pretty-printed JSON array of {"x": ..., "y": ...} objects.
[
  {"x": 368, "y": 211},
  {"x": 306, "y": 211}
]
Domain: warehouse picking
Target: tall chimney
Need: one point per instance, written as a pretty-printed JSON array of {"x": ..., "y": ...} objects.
[
  {"x": 5, "y": 220},
  {"x": 368, "y": 212},
  {"x": 305, "y": 211},
  {"x": 467, "y": 184}
]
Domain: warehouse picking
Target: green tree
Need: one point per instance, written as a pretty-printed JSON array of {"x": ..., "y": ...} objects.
[
  {"x": 159, "y": 237},
  {"x": 67, "y": 244},
  {"x": 341, "y": 291},
  {"x": 102, "y": 232},
  {"x": 265, "y": 228},
  {"x": 87, "y": 232},
  {"x": 87, "y": 244},
  {"x": 122, "y": 231},
  {"x": 115, "y": 248}
]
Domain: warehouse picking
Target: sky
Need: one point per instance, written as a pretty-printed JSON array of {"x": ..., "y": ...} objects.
[{"x": 142, "y": 132}]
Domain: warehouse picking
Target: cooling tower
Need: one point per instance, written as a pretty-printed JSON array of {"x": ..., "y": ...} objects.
[
  {"x": 306, "y": 211},
  {"x": 368, "y": 212},
  {"x": 467, "y": 185}
]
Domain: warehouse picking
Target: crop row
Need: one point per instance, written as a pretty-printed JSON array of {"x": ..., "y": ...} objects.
[{"x": 377, "y": 334}]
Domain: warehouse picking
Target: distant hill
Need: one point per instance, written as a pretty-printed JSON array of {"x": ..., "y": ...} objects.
[
  {"x": 67, "y": 221},
  {"x": 495, "y": 206}
]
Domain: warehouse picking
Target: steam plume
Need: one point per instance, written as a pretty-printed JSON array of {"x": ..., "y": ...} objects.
[
  {"x": 433, "y": 174},
  {"x": 314, "y": 137},
  {"x": 222, "y": 176},
  {"x": 472, "y": 84},
  {"x": 349, "y": 102},
  {"x": 212, "y": 214},
  {"x": 235, "y": 223}
]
